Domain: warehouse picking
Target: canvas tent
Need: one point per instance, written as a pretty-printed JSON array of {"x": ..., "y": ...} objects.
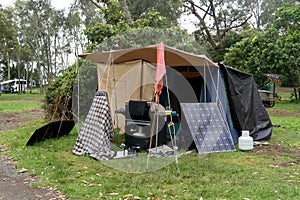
[{"x": 129, "y": 75}]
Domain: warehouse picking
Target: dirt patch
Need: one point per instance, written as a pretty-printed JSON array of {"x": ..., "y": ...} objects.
[
  {"x": 10, "y": 121},
  {"x": 285, "y": 89},
  {"x": 278, "y": 150},
  {"x": 295, "y": 113},
  {"x": 271, "y": 150},
  {"x": 14, "y": 182}
]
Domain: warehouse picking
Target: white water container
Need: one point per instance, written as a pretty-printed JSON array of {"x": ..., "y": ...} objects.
[{"x": 245, "y": 141}]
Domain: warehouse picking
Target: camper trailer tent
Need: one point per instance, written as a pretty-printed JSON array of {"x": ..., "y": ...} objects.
[{"x": 128, "y": 76}]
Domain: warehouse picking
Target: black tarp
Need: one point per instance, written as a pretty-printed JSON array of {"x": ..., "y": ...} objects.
[
  {"x": 246, "y": 107},
  {"x": 54, "y": 129}
]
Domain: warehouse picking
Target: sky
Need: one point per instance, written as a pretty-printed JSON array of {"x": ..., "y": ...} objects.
[
  {"x": 59, "y": 4},
  {"x": 185, "y": 21}
]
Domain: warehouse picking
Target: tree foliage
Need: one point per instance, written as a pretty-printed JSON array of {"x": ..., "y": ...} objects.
[
  {"x": 263, "y": 12},
  {"x": 115, "y": 23},
  {"x": 8, "y": 40},
  {"x": 273, "y": 51},
  {"x": 169, "y": 9},
  {"x": 141, "y": 37}
]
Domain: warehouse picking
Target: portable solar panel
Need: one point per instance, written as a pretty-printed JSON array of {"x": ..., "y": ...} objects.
[{"x": 208, "y": 128}]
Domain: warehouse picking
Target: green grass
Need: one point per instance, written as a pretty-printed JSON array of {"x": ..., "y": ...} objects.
[
  {"x": 284, "y": 93},
  {"x": 230, "y": 175},
  {"x": 15, "y": 106},
  {"x": 286, "y": 105},
  {"x": 19, "y": 103},
  {"x": 289, "y": 132},
  {"x": 17, "y": 96}
]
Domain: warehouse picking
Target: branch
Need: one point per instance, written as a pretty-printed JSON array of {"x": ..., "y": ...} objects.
[
  {"x": 215, "y": 18},
  {"x": 96, "y": 3},
  {"x": 193, "y": 10},
  {"x": 196, "y": 6},
  {"x": 235, "y": 26},
  {"x": 125, "y": 9}
]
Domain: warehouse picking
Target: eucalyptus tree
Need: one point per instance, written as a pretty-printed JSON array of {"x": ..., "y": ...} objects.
[
  {"x": 83, "y": 14},
  {"x": 263, "y": 12},
  {"x": 8, "y": 40},
  {"x": 216, "y": 19},
  {"x": 41, "y": 29},
  {"x": 30, "y": 19}
]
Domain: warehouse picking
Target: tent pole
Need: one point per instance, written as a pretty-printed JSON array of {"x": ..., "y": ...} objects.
[
  {"x": 142, "y": 80},
  {"x": 172, "y": 137},
  {"x": 156, "y": 138},
  {"x": 115, "y": 94},
  {"x": 218, "y": 79},
  {"x": 78, "y": 92},
  {"x": 151, "y": 135},
  {"x": 204, "y": 84}
]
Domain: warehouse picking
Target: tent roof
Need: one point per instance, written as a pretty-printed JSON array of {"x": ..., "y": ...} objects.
[{"x": 173, "y": 57}]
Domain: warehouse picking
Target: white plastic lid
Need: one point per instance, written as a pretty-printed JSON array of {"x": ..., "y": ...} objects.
[{"x": 245, "y": 133}]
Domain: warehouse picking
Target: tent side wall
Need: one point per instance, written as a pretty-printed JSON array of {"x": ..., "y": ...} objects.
[
  {"x": 127, "y": 81},
  {"x": 247, "y": 110}
]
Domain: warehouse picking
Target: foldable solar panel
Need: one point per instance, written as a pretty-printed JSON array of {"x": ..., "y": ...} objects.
[{"x": 208, "y": 128}]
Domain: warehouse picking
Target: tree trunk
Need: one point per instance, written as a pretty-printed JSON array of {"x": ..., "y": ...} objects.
[
  {"x": 8, "y": 68},
  {"x": 40, "y": 77},
  {"x": 30, "y": 79},
  {"x": 125, "y": 9}
]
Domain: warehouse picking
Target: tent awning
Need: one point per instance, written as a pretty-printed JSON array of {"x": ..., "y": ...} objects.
[{"x": 173, "y": 57}]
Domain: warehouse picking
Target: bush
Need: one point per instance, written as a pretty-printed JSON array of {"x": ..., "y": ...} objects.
[{"x": 57, "y": 101}]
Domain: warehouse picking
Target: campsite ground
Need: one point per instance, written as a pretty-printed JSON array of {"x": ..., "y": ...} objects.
[
  {"x": 14, "y": 182},
  {"x": 15, "y": 179}
]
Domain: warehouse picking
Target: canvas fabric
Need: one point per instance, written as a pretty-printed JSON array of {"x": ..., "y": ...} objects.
[
  {"x": 127, "y": 81},
  {"x": 94, "y": 137}
]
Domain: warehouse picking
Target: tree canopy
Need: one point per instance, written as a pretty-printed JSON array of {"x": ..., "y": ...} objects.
[{"x": 274, "y": 51}]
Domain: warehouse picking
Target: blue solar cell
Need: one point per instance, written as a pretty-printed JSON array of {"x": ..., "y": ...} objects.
[{"x": 208, "y": 128}]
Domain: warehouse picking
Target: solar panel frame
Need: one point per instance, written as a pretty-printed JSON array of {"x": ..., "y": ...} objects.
[{"x": 209, "y": 129}]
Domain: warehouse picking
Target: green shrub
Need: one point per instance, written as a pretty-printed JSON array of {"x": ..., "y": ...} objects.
[{"x": 57, "y": 101}]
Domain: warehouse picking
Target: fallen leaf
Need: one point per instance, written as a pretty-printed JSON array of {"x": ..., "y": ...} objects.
[
  {"x": 23, "y": 170},
  {"x": 128, "y": 195},
  {"x": 93, "y": 184}
]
